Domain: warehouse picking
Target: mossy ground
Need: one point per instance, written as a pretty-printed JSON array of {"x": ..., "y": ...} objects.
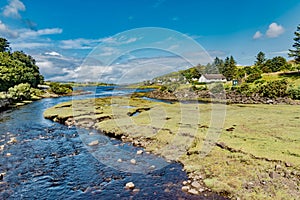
[{"x": 256, "y": 156}]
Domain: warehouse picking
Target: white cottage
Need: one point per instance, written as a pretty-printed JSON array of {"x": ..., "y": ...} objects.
[{"x": 210, "y": 78}]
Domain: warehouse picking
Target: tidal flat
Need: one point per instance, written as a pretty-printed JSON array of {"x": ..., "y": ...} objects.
[{"x": 240, "y": 150}]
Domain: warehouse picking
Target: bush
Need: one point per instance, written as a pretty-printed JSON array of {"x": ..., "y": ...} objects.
[
  {"x": 244, "y": 89},
  {"x": 20, "y": 92},
  {"x": 59, "y": 88},
  {"x": 216, "y": 88},
  {"x": 273, "y": 89},
  {"x": 253, "y": 77},
  {"x": 294, "y": 93}
]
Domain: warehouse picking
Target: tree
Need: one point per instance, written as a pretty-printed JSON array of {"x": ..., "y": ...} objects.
[
  {"x": 296, "y": 51},
  {"x": 229, "y": 69},
  {"x": 4, "y": 45},
  {"x": 260, "y": 59},
  {"x": 276, "y": 64}
]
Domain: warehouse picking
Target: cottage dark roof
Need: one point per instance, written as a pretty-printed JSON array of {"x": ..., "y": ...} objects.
[{"x": 214, "y": 76}]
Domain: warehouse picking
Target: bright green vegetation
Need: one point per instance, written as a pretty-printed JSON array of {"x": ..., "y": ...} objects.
[
  {"x": 256, "y": 156},
  {"x": 59, "y": 88},
  {"x": 19, "y": 75}
]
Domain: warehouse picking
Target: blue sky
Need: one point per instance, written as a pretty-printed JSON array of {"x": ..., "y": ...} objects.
[{"x": 62, "y": 35}]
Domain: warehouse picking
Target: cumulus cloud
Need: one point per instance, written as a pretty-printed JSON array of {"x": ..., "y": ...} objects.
[
  {"x": 29, "y": 45},
  {"x": 53, "y": 53},
  {"x": 274, "y": 30},
  {"x": 257, "y": 35},
  {"x": 6, "y": 32},
  {"x": 13, "y": 8}
]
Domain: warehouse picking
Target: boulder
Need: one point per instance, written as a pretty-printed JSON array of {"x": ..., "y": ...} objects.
[{"x": 129, "y": 185}]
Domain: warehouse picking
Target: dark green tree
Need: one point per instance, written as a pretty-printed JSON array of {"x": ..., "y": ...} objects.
[
  {"x": 4, "y": 45},
  {"x": 296, "y": 51},
  {"x": 260, "y": 59},
  {"x": 230, "y": 68}
]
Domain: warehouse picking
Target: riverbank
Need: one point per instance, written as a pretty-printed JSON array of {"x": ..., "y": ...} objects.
[
  {"x": 208, "y": 97},
  {"x": 8, "y": 103},
  {"x": 256, "y": 155}
]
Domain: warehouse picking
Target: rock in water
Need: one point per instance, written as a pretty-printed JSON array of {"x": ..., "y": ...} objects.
[
  {"x": 133, "y": 161},
  {"x": 129, "y": 185},
  {"x": 139, "y": 152},
  {"x": 93, "y": 143}
]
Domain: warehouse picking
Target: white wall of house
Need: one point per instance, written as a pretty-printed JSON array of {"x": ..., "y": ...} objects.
[{"x": 203, "y": 79}]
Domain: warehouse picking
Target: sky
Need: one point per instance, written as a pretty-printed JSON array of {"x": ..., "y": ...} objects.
[{"x": 129, "y": 41}]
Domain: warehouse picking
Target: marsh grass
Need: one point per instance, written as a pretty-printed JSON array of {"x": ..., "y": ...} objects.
[{"x": 258, "y": 151}]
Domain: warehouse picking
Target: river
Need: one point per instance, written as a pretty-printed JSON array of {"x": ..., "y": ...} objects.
[{"x": 41, "y": 159}]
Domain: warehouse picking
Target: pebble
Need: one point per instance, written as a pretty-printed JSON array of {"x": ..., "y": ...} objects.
[
  {"x": 8, "y": 154},
  {"x": 119, "y": 160},
  {"x": 139, "y": 152},
  {"x": 193, "y": 191},
  {"x": 195, "y": 184},
  {"x": 133, "y": 161},
  {"x": 184, "y": 183},
  {"x": 129, "y": 185},
  {"x": 152, "y": 167},
  {"x": 93, "y": 143},
  {"x": 136, "y": 190},
  {"x": 185, "y": 188}
]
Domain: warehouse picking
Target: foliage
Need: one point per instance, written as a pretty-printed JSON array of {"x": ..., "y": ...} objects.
[
  {"x": 296, "y": 51},
  {"x": 276, "y": 64},
  {"x": 253, "y": 77},
  {"x": 294, "y": 93},
  {"x": 16, "y": 68},
  {"x": 273, "y": 89},
  {"x": 229, "y": 69},
  {"x": 4, "y": 45},
  {"x": 20, "y": 92},
  {"x": 216, "y": 88},
  {"x": 59, "y": 88},
  {"x": 260, "y": 59}
]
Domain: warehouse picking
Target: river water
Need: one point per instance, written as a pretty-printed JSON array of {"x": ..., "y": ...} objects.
[{"x": 47, "y": 160}]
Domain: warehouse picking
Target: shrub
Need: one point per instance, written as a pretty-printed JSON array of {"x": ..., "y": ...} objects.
[
  {"x": 253, "y": 77},
  {"x": 294, "y": 93},
  {"x": 273, "y": 89},
  {"x": 59, "y": 88},
  {"x": 216, "y": 88},
  {"x": 20, "y": 92}
]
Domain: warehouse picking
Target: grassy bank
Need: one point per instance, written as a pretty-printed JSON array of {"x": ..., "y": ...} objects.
[{"x": 256, "y": 156}]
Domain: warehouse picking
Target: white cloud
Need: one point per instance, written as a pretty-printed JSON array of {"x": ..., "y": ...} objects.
[
  {"x": 29, "y": 45},
  {"x": 27, "y": 33},
  {"x": 53, "y": 53},
  {"x": 257, "y": 35},
  {"x": 79, "y": 43},
  {"x": 6, "y": 32},
  {"x": 13, "y": 8},
  {"x": 274, "y": 30}
]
